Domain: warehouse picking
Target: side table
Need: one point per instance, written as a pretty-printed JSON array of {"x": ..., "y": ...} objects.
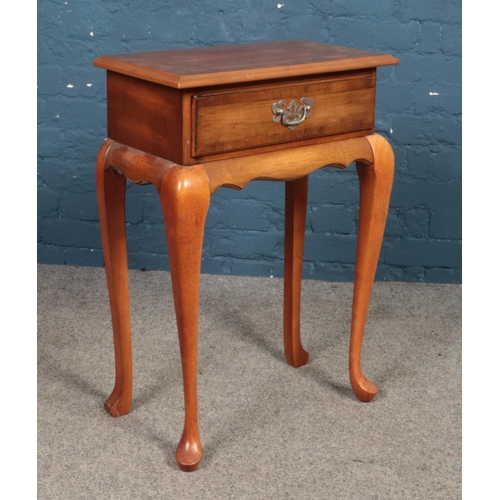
[{"x": 190, "y": 121}]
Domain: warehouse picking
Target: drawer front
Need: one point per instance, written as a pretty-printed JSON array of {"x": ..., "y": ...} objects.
[{"x": 241, "y": 119}]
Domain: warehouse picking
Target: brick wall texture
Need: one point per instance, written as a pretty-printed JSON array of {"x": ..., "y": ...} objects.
[{"x": 418, "y": 110}]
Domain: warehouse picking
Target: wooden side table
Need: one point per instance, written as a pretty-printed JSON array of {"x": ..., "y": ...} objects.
[{"x": 190, "y": 121}]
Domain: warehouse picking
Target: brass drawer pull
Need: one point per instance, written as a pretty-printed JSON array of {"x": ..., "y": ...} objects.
[{"x": 293, "y": 115}]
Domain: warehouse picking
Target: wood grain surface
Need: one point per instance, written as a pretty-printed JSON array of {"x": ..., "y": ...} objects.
[
  {"x": 240, "y": 119},
  {"x": 198, "y": 67}
]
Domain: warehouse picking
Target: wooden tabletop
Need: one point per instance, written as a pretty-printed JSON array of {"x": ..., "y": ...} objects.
[{"x": 196, "y": 67}]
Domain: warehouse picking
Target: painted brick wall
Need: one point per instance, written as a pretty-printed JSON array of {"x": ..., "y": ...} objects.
[{"x": 418, "y": 110}]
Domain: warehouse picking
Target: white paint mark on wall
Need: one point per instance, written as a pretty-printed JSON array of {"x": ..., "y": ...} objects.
[
  {"x": 70, "y": 86},
  {"x": 89, "y": 85},
  {"x": 390, "y": 130},
  {"x": 91, "y": 33},
  {"x": 280, "y": 5},
  {"x": 57, "y": 116},
  {"x": 433, "y": 93}
]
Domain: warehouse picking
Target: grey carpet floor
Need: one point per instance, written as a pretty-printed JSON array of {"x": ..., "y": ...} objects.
[{"x": 269, "y": 431}]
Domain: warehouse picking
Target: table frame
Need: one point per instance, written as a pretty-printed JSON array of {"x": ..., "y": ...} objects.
[{"x": 185, "y": 197}]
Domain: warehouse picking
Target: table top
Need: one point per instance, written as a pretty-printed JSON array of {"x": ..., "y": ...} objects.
[{"x": 206, "y": 66}]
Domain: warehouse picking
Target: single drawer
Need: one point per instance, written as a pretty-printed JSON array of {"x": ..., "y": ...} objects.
[{"x": 248, "y": 118}]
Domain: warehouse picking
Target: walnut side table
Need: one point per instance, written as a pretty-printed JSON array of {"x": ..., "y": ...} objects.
[{"x": 190, "y": 121}]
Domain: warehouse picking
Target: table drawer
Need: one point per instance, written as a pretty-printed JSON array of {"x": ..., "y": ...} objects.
[{"x": 246, "y": 118}]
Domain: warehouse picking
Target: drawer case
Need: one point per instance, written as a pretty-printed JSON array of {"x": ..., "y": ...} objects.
[{"x": 203, "y": 104}]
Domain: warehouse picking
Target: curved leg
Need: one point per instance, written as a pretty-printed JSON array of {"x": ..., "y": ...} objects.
[
  {"x": 375, "y": 190},
  {"x": 185, "y": 197},
  {"x": 111, "y": 204},
  {"x": 295, "y": 226}
]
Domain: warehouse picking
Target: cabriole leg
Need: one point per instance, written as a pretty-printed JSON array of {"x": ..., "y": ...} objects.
[
  {"x": 111, "y": 204},
  {"x": 375, "y": 190},
  {"x": 185, "y": 198},
  {"x": 295, "y": 226}
]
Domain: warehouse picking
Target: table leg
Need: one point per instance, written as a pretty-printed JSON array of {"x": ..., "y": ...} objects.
[
  {"x": 295, "y": 226},
  {"x": 375, "y": 190},
  {"x": 111, "y": 204},
  {"x": 185, "y": 198}
]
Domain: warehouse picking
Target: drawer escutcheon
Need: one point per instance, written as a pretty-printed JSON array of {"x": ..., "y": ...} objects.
[{"x": 292, "y": 115}]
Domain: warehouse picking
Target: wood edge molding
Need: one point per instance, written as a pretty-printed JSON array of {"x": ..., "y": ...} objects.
[
  {"x": 241, "y": 75},
  {"x": 262, "y": 74},
  {"x": 125, "y": 68}
]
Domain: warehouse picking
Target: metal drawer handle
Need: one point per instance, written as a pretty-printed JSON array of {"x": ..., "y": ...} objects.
[{"x": 293, "y": 115}]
